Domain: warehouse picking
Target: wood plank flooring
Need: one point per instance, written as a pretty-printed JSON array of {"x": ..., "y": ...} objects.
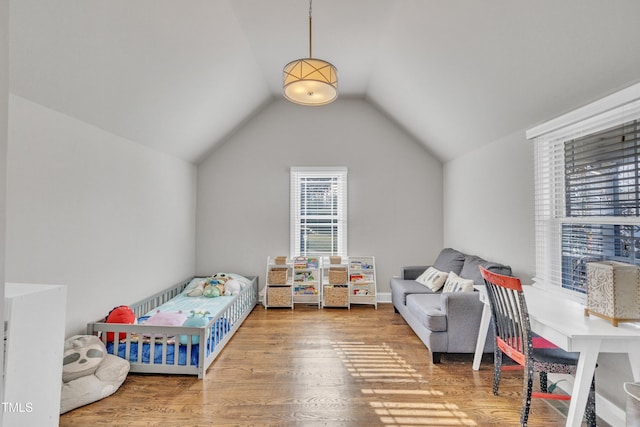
[{"x": 329, "y": 367}]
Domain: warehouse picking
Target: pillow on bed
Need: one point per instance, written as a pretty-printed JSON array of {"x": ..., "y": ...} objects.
[
  {"x": 244, "y": 282},
  {"x": 196, "y": 291},
  {"x": 166, "y": 318},
  {"x": 196, "y": 286},
  {"x": 195, "y": 283}
]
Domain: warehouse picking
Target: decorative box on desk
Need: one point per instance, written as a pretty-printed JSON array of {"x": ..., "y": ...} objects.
[{"x": 613, "y": 291}]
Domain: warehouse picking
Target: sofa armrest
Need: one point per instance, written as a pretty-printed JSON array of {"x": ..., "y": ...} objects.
[
  {"x": 464, "y": 312},
  {"x": 412, "y": 272},
  {"x": 459, "y": 303}
]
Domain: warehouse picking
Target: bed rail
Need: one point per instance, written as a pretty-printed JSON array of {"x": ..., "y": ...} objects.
[{"x": 157, "y": 349}]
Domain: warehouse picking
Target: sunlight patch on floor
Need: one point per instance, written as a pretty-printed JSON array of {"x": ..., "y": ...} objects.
[
  {"x": 396, "y": 414},
  {"x": 381, "y": 364},
  {"x": 377, "y": 361},
  {"x": 413, "y": 392}
]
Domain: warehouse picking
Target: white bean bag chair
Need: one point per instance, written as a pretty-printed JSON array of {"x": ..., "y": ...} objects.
[{"x": 89, "y": 373}]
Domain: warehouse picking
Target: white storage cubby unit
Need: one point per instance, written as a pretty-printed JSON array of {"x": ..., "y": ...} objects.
[
  {"x": 325, "y": 281},
  {"x": 307, "y": 276},
  {"x": 335, "y": 292},
  {"x": 279, "y": 283},
  {"x": 362, "y": 280}
]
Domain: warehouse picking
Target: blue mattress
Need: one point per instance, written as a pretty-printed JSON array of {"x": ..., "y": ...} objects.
[
  {"x": 182, "y": 302},
  {"x": 218, "y": 331}
]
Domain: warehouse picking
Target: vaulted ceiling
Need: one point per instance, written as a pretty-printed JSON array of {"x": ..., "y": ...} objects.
[{"x": 180, "y": 76}]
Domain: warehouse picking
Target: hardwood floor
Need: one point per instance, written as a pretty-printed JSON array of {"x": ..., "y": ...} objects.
[{"x": 329, "y": 367}]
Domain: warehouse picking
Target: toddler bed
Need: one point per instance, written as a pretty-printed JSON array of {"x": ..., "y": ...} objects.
[{"x": 178, "y": 349}]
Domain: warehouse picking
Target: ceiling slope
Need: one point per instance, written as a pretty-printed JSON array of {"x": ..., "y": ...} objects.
[
  {"x": 177, "y": 76},
  {"x": 460, "y": 74},
  {"x": 180, "y": 76}
]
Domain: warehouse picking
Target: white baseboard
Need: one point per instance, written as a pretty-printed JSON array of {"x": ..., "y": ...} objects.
[{"x": 384, "y": 297}]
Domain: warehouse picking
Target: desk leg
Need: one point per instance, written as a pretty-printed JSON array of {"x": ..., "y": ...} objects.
[
  {"x": 482, "y": 336},
  {"x": 584, "y": 374}
]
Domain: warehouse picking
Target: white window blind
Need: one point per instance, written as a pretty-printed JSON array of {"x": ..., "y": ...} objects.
[
  {"x": 586, "y": 192},
  {"x": 318, "y": 211}
]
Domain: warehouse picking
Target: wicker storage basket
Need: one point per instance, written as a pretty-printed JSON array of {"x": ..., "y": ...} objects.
[
  {"x": 335, "y": 259},
  {"x": 281, "y": 260},
  {"x": 337, "y": 276},
  {"x": 278, "y": 276},
  {"x": 336, "y": 296},
  {"x": 279, "y": 296}
]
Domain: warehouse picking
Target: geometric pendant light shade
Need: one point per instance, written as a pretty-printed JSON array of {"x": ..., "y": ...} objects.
[{"x": 310, "y": 81}]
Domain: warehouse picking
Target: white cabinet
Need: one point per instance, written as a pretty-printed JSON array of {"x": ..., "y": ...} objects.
[
  {"x": 34, "y": 349},
  {"x": 362, "y": 280}
]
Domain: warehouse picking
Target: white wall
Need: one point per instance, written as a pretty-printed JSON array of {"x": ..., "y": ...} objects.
[
  {"x": 111, "y": 219},
  {"x": 489, "y": 211},
  {"x": 488, "y": 204},
  {"x": 394, "y": 188}
]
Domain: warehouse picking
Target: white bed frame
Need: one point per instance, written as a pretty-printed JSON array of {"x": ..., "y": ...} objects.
[{"x": 234, "y": 312}]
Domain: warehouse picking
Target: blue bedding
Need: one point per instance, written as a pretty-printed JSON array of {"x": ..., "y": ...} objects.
[
  {"x": 182, "y": 302},
  {"x": 217, "y": 333}
]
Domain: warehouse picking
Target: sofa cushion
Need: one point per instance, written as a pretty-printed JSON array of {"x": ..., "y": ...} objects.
[
  {"x": 455, "y": 283},
  {"x": 432, "y": 278},
  {"x": 471, "y": 271},
  {"x": 400, "y": 288},
  {"x": 426, "y": 308},
  {"x": 450, "y": 260}
]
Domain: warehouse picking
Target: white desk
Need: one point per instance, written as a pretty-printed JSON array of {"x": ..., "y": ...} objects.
[{"x": 563, "y": 323}]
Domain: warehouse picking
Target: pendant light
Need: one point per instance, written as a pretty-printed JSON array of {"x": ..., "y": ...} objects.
[{"x": 310, "y": 81}]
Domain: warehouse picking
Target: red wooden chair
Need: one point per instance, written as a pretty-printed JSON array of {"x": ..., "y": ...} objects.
[{"x": 515, "y": 340}]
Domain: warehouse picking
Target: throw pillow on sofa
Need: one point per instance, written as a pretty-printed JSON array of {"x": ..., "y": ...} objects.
[
  {"x": 455, "y": 283},
  {"x": 432, "y": 278}
]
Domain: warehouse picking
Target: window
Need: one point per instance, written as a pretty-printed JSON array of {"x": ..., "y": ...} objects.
[
  {"x": 587, "y": 178},
  {"x": 601, "y": 181},
  {"x": 318, "y": 211}
]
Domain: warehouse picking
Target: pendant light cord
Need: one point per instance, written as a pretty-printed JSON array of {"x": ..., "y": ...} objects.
[{"x": 310, "y": 55}]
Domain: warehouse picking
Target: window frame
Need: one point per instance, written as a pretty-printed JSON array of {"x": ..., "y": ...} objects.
[
  {"x": 339, "y": 175},
  {"x": 550, "y": 210}
]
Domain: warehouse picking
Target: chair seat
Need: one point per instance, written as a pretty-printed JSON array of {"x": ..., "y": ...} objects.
[
  {"x": 554, "y": 360},
  {"x": 548, "y": 357}
]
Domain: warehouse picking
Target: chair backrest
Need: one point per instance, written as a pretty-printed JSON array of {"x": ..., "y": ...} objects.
[{"x": 510, "y": 316}]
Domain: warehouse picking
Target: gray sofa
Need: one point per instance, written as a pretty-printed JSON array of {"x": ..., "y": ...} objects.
[{"x": 445, "y": 322}]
